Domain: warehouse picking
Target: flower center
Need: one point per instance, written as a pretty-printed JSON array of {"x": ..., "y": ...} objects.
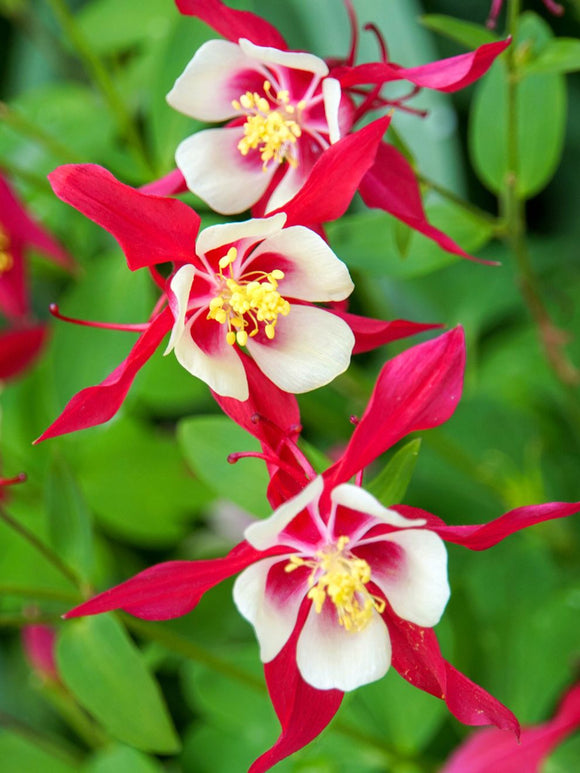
[
  {"x": 6, "y": 259},
  {"x": 244, "y": 303},
  {"x": 270, "y": 126},
  {"x": 341, "y": 577}
]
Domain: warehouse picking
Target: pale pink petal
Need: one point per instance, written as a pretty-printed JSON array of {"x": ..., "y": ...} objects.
[
  {"x": 330, "y": 657},
  {"x": 332, "y": 93},
  {"x": 227, "y": 233},
  {"x": 219, "y": 366},
  {"x": 273, "y": 615},
  {"x": 263, "y": 534},
  {"x": 314, "y": 273},
  {"x": 310, "y": 349},
  {"x": 417, "y": 588},
  {"x": 215, "y": 170},
  {"x": 211, "y": 81},
  {"x": 293, "y": 60},
  {"x": 356, "y": 498},
  {"x": 178, "y": 300}
]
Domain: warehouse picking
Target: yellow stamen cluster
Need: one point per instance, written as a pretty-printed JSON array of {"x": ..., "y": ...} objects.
[
  {"x": 6, "y": 259},
  {"x": 343, "y": 581},
  {"x": 245, "y": 303},
  {"x": 270, "y": 126}
]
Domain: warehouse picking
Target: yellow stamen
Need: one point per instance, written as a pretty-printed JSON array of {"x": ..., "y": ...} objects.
[
  {"x": 6, "y": 259},
  {"x": 270, "y": 126},
  {"x": 246, "y": 302},
  {"x": 343, "y": 581}
]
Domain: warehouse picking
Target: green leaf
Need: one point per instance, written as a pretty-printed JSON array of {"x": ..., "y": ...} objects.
[
  {"x": 19, "y": 755},
  {"x": 540, "y": 132},
  {"x": 390, "y": 485},
  {"x": 137, "y": 483},
  {"x": 122, "y": 758},
  {"x": 104, "y": 670},
  {"x": 466, "y": 33},
  {"x": 206, "y": 442},
  {"x": 371, "y": 242},
  {"x": 559, "y": 55},
  {"x": 69, "y": 520}
]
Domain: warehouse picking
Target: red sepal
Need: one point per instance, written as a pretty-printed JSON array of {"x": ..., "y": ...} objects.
[
  {"x": 335, "y": 177},
  {"x": 168, "y": 185},
  {"x": 150, "y": 229},
  {"x": 370, "y": 333},
  {"x": 97, "y": 404},
  {"x": 303, "y": 711},
  {"x": 419, "y": 389},
  {"x": 486, "y": 535},
  {"x": 418, "y": 659},
  {"x": 171, "y": 589},
  {"x": 19, "y": 348},
  {"x": 232, "y": 24}
]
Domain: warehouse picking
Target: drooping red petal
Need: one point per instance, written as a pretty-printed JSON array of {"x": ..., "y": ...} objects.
[
  {"x": 391, "y": 185},
  {"x": 492, "y": 749},
  {"x": 150, "y": 229},
  {"x": 370, "y": 333},
  {"x": 171, "y": 589},
  {"x": 303, "y": 711},
  {"x": 14, "y": 296},
  {"x": 232, "y": 24},
  {"x": 418, "y": 389},
  {"x": 446, "y": 75},
  {"x": 418, "y": 659},
  {"x": 19, "y": 348},
  {"x": 21, "y": 227},
  {"x": 38, "y": 642},
  {"x": 335, "y": 177},
  {"x": 168, "y": 185},
  {"x": 97, "y": 404},
  {"x": 486, "y": 535}
]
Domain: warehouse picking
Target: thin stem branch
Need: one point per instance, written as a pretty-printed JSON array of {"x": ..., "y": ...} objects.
[
  {"x": 496, "y": 223},
  {"x": 59, "y": 749},
  {"x": 553, "y": 339},
  {"x": 23, "y": 125},
  {"x": 103, "y": 82},
  {"x": 70, "y": 711},
  {"x": 49, "y": 594},
  {"x": 48, "y": 553},
  {"x": 20, "y": 621}
]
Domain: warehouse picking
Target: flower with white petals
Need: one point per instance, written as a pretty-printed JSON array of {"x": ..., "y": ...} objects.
[
  {"x": 348, "y": 563},
  {"x": 252, "y": 285},
  {"x": 282, "y": 112}
]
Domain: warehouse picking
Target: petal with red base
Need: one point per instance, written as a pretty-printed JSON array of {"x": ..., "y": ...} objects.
[
  {"x": 98, "y": 404},
  {"x": 150, "y": 229},
  {"x": 233, "y": 24},
  {"x": 19, "y": 348}
]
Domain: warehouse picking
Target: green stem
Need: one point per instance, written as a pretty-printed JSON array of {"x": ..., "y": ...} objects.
[
  {"x": 490, "y": 220},
  {"x": 40, "y": 593},
  {"x": 23, "y": 125},
  {"x": 552, "y": 338},
  {"x": 35, "y": 180},
  {"x": 45, "y": 550},
  {"x": 21, "y": 621},
  {"x": 85, "y": 728},
  {"x": 59, "y": 749},
  {"x": 103, "y": 81}
]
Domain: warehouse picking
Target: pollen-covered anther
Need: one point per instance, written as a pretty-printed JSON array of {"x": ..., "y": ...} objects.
[
  {"x": 341, "y": 577},
  {"x": 270, "y": 126}
]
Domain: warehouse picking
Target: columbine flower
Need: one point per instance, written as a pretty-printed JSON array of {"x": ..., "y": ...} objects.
[
  {"x": 336, "y": 585},
  {"x": 285, "y": 109},
  {"x": 496, "y": 7},
  {"x": 38, "y": 642},
  {"x": 236, "y": 287},
  {"x": 17, "y": 233},
  {"x": 492, "y": 749}
]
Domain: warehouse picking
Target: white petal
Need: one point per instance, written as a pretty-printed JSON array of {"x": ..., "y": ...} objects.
[
  {"x": 294, "y": 60},
  {"x": 331, "y": 658},
  {"x": 273, "y": 619},
  {"x": 222, "y": 369},
  {"x": 310, "y": 349},
  {"x": 289, "y": 184},
  {"x": 356, "y": 498},
  {"x": 180, "y": 287},
  {"x": 263, "y": 534},
  {"x": 207, "y": 86},
  {"x": 331, "y": 93},
  {"x": 224, "y": 234},
  {"x": 418, "y": 590},
  {"x": 316, "y": 274},
  {"x": 215, "y": 170}
]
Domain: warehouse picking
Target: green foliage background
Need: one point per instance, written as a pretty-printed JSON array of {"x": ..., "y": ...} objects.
[{"x": 154, "y": 483}]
